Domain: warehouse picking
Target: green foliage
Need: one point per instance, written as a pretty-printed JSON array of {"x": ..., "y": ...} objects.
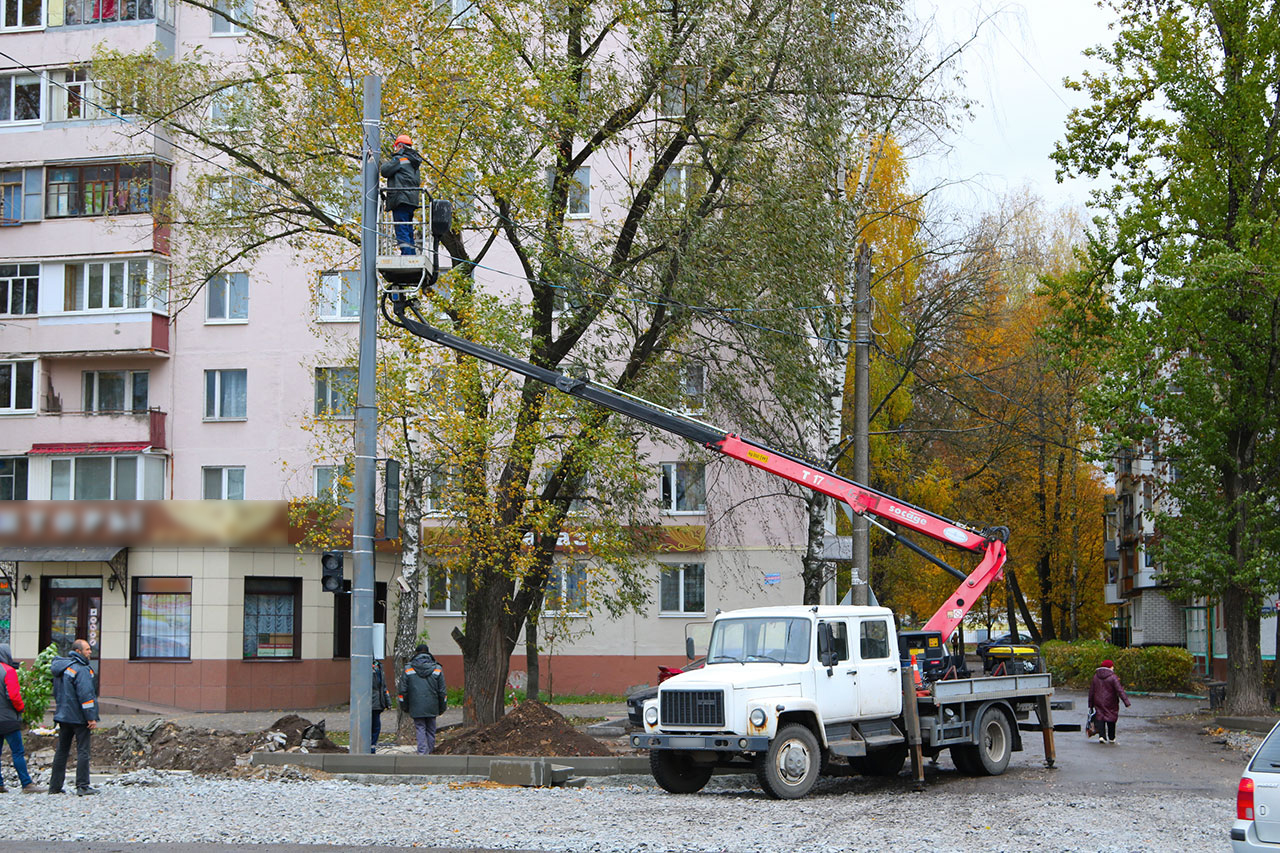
[
  {"x": 36, "y": 682},
  {"x": 1161, "y": 668}
]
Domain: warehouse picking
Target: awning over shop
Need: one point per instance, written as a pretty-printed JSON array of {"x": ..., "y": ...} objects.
[
  {"x": 59, "y": 555},
  {"x": 81, "y": 448}
]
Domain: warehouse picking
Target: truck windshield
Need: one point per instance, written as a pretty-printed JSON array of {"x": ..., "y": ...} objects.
[{"x": 777, "y": 639}]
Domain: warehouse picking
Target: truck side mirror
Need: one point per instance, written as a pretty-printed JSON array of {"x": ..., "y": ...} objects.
[
  {"x": 688, "y": 647},
  {"x": 826, "y": 645}
]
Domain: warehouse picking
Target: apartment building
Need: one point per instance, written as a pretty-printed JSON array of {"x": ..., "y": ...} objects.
[{"x": 112, "y": 389}]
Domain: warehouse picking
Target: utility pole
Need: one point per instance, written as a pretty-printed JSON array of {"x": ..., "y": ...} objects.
[
  {"x": 366, "y": 425},
  {"x": 861, "y": 414}
]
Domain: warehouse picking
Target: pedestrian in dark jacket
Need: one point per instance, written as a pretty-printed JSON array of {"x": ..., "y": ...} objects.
[
  {"x": 381, "y": 702},
  {"x": 11, "y": 706},
  {"x": 403, "y": 185},
  {"x": 1105, "y": 695},
  {"x": 422, "y": 695},
  {"x": 77, "y": 715}
]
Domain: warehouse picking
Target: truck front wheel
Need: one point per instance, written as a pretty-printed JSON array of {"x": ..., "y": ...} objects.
[
  {"x": 789, "y": 769},
  {"x": 677, "y": 772}
]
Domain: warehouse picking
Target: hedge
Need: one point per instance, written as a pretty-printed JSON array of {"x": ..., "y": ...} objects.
[{"x": 1164, "y": 668}]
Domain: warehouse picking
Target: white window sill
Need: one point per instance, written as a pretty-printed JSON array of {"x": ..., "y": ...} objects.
[
  {"x": 683, "y": 512},
  {"x": 216, "y": 322},
  {"x": 225, "y": 420},
  {"x": 337, "y": 319},
  {"x": 692, "y": 614},
  {"x": 37, "y": 28},
  {"x": 240, "y": 34},
  {"x": 556, "y": 614},
  {"x": 456, "y": 614},
  {"x": 16, "y": 413},
  {"x": 578, "y": 217}
]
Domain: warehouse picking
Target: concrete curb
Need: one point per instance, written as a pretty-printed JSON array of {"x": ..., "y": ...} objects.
[
  {"x": 443, "y": 765},
  {"x": 1261, "y": 725}
]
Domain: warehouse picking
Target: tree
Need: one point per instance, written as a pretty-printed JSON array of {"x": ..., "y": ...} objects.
[
  {"x": 687, "y": 113},
  {"x": 1180, "y": 300}
]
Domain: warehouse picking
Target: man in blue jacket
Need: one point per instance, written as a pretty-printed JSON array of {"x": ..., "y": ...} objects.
[
  {"x": 76, "y": 716},
  {"x": 422, "y": 696}
]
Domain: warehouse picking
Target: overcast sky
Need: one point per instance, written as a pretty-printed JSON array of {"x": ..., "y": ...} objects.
[{"x": 1013, "y": 74}]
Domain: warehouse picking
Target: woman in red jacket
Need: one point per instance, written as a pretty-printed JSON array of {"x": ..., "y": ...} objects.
[
  {"x": 11, "y": 706},
  {"x": 1105, "y": 694}
]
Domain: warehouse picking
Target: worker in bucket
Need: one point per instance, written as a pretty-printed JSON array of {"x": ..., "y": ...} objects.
[{"x": 404, "y": 185}]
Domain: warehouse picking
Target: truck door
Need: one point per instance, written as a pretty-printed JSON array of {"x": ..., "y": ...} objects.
[
  {"x": 879, "y": 684},
  {"x": 837, "y": 694}
]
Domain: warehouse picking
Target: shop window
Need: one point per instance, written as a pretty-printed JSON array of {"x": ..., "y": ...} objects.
[
  {"x": 272, "y": 618},
  {"x": 161, "y": 618}
]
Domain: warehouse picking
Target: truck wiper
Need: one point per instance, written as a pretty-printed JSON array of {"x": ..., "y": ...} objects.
[
  {"x": 719, "y": 658},
  {"x": 764, "y": 657}
]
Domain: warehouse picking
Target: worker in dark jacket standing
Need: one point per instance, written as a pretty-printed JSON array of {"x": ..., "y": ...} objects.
[
  {"x": 77, "y": 715},
  {"x": 422, "y": 695},
  {"x": 1105, "y": 694},
  {"x": 381, "y": 702},
  {"x": 11, "y": 706},
  {"x": 403, "y": 185}
]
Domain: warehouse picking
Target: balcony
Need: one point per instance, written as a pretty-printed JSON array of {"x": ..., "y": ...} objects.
[
  {"x": 122, "y": 428},
  {"x": 136, "y": 332}
]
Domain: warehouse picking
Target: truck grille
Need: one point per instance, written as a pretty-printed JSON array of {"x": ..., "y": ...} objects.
[{"x": 692, "y": 707}]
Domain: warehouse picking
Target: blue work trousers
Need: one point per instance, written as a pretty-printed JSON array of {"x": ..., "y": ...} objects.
[{"x": 403, "y": 217}]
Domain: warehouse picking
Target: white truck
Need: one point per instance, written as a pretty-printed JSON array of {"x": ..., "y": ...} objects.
[{"x": 792, "y": 692}]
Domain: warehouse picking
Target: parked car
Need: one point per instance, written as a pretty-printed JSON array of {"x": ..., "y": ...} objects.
[
  {"x": 636, "y": 698},
  {"x": 1257, "y": 826}
]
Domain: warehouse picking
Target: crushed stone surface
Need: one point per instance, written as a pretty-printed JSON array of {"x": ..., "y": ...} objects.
[{"x": 621, "y": 814}]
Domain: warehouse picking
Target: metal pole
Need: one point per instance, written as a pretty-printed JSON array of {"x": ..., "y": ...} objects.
[
  {"x": 363, "y": 531},
  {"x": 861, "y": 409}
]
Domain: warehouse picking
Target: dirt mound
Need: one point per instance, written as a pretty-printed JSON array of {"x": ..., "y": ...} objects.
[
  {"x": 531, "y": 728},
  {"x": 299, "y": 731}
]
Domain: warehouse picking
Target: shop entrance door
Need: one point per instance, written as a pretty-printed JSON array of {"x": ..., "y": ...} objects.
[{"x": 70, "y": 609}]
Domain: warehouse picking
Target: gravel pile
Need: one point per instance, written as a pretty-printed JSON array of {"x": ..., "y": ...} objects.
[{"x": 620, "y": 814}]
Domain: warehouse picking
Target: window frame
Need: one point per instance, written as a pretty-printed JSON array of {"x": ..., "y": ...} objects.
[
  {"x": 679, "y": 570},
  {"x": 329, "y": 403},
  {"x": 22, "y": 190},
  {"x": 295, "y": 592},
  {"x": 224, "y": 482},
  {"x": 451, "y": 605},
  {"x": 692, "y": 403},
  {"x": 577, "y": 192},
  {"x": 223, "y": 22},
  {"x": 10, "y": 79},
  {"x": 330, "y": 301},
  {"x": 331, "y": 489},
  {"x": 29, "y": 284},
  {"x": 213, "y": 404},
  {"x": 12, "y": 393},
  {"x": 226, "y": 299},
  {"x": 686, "y": 80},
  {"x": 559, "y": 578},
  {"x": 138, "y": 592},
  {"x": 141, "y": 463},
  {"x": 135, "y": 294},
  {"x": 68, "y": 13},
  {"x": 10, "y": 475},
  {"x": 20, "y": 5},
  {"x": 670, "y": 486},
  {"x": 81, "y": 182},
  {"x": 131, "y": 380}
]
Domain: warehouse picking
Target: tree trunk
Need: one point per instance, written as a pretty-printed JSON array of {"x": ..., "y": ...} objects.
[
  {"x": 814, "y": 569},
  {"x": 532, "y": 689},
  {"x": 1245, "y": 696},
  {"x": 1010, "y": 613},
  {"x": 1012, "y": 580},
  {"x": 409, "y": 602}
]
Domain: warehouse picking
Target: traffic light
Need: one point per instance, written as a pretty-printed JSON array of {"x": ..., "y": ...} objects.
[{"x": 331, "y": 571}]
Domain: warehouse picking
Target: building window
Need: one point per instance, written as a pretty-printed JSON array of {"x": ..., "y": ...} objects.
[
  {"x": 680, "y": 88},
  {"x": 693, "y": 387},
  {"x": 683, "y": 488},
  {"x": 17, "y": 386},
  {"x": 340, "y": 295},
  {"x": 115, "y": 390},
  {"x": 566, "y": 590},
  {"x": 333, "y": 483},
  {"x": 223, "y": 484},
  {"x": 446, "y": 591},
  {"x": 106, "y": 478},
  {"x": 229, "y": 16},
  {"x": 578, "y": 203},
  {"x": 105, "y": 189},
  {"x": 459, "y": 11},
  {"x": 435, "y": 492},
  {"x": 161, "y": 618},
  {"x": 335, "y": 391},
  {"x": 21, "y": 13},
  {"x": 19, "y": 288},
  {"x": 13, "y": 478},
  {"x": 682, "y": 588},
  {"x": 20, "y": 98},
  {"x": 21, "y": 195},
  {"x": 73, "y": 95},
  {"x": 673, "y": 191},
  {"x": 105, "y": 286},
  {"x": 226, "y": 394},
  {"x": 83, "y": 12},
  {"x": 227, "y": 298},
  {"x": 272, "y": 618}
]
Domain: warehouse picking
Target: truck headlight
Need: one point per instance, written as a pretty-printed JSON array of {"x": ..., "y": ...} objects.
[
  {"x": 651, "y": 715},
  {"x": 758, "y": 717}
]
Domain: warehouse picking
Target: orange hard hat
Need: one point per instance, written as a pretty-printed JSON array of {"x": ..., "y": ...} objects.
[{"x": 403, "y": 139}]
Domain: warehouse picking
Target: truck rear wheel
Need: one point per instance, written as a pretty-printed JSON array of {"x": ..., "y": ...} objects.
[
  {"x": 789, "y": 769},
  {"x": 677, "y": 772},
  {"x": 991, "y": 755}
]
